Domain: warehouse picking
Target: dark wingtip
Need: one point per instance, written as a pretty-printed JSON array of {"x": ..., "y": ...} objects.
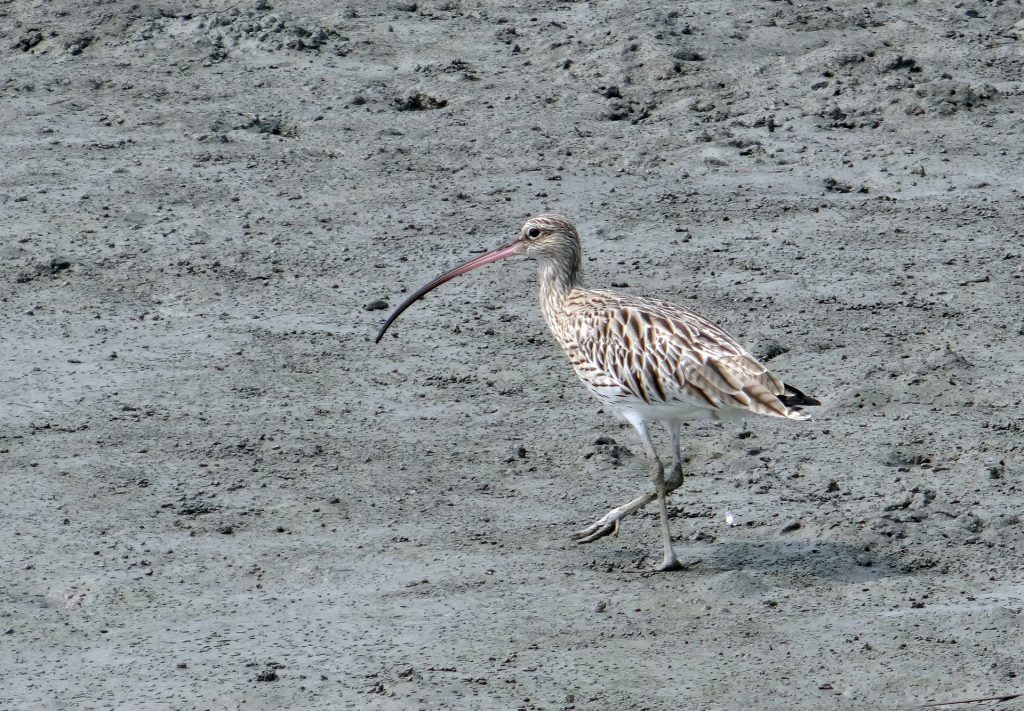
[{"x": 795, "y": 398}]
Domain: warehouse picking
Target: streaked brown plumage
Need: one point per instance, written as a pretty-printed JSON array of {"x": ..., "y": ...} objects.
[
  {"x": 641, "y": 352},
  {"x": 646, "y": 359}
]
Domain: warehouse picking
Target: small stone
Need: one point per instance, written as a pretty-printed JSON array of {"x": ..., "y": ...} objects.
[
  {"x": 376, "y": 305},
  {"x": 684, "y": 54},
  {"x": 790, "y": 527}
]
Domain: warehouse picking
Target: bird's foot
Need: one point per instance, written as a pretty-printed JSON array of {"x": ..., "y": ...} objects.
[
  {"x": 606, "y": 525},
  {"x": 670, "y": 563},
  {"x": 674, "y": 478}
]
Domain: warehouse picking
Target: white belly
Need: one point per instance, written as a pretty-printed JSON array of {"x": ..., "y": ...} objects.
[{"x": 624, "y": 404}]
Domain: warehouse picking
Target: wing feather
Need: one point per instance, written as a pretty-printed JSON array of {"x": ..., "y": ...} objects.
[{"x": 660, "y": 352}]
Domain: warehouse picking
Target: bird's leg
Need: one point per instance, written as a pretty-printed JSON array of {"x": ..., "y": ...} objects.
[
  {"x": 675, "y": 474},
  {"x": 609, "y": 523},
  {"x": 670, "y": 562},
  {"x": 611, "y": 520},
  {"x": 663, "y": 488}
]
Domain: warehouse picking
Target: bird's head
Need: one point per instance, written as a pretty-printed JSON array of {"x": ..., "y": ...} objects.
[{"x": 548, "y": 237}]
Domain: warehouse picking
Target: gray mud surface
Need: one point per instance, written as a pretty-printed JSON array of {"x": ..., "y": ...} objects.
[{"x": 218, "y": 493}]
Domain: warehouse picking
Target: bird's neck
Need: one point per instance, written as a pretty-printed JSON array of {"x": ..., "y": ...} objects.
[{"x": 557, "y": 279}]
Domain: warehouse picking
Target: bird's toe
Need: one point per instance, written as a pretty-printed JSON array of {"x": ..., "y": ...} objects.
[
  {"x": 604, "y": 526},
  {"x": 669, "y": 564}
]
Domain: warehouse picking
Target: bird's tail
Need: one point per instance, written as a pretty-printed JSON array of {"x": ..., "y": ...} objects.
[{"x": 792, "y": 397}]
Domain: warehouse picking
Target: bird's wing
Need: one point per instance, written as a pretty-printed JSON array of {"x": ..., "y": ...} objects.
[{"x": 660, "y": 352}]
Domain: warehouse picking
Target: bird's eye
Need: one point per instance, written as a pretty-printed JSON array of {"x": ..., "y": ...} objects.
[{"x": 533, "y": 232}]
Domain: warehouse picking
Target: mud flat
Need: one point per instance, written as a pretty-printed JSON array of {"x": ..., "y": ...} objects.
[{"x": 218, "y": 493}]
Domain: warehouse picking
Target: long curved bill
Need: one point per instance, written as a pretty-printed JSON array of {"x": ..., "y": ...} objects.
[{"x": 509, "y": 250}]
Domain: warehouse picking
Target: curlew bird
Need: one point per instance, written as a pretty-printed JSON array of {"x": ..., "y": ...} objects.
[{"x": 647, "y": 360}]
